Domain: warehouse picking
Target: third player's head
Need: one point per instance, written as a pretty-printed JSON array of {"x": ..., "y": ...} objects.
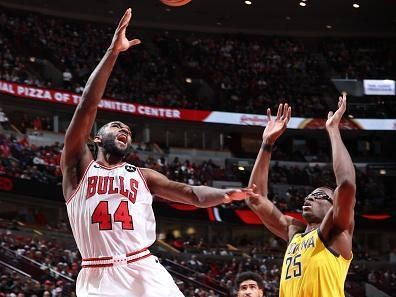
[
  {"x": 114, "y": 139},
  {"x": 317, "y": 204},
  {"x": 249, "y": 284}
]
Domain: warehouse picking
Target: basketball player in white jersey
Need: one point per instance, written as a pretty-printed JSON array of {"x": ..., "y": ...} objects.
[{"x": 109, "y": 201}]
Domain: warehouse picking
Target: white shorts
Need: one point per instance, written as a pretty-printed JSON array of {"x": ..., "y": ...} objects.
[{"x": 143, "y": 278}]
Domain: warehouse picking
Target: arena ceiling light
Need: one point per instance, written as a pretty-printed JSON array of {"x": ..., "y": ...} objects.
[
  {"x": 303, "y": 4},
  {"x": 247, "y": 2},
  {"x": 355, "y": 5},
  {"x": 329, "y": 26},
  {"x": 188, "y": 80}
]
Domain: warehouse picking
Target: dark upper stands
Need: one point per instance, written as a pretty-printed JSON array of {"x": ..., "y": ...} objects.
[{"x": 228, "y": 72}]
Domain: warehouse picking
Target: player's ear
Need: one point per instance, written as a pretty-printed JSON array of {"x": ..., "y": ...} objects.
[
  {"x": 261, "y": 293},
  {"x": 98, "y": 140}
]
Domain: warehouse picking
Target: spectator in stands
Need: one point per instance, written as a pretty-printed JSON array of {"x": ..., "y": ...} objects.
[
  {"x": 249, "y": 284},
  {"x": 4, "y": 123},
  {"x": 67, "y": 78}
]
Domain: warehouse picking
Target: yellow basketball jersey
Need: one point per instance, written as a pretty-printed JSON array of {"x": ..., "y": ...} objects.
[{"x": 310, "y": 269}]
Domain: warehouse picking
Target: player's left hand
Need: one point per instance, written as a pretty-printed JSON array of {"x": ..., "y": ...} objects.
[
  {"x": 240, "y": 194},
  {"x": 334, "y": 119},
  {"x": 120, "y": 43},
  {"x": 276, "y": 126}
]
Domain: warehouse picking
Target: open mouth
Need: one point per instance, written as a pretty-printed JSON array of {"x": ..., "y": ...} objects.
[{"x": 122, "y": 138}]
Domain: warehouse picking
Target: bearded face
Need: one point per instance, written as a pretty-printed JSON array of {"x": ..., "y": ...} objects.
[
  {"x": 115, "y": 139},
  {"x": 113, "y": 146}
]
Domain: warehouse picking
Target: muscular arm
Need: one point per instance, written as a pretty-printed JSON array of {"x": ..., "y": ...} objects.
[
  {"x": 269, "y": 214},
  {"x": 199, "y": 196},
  {"x": 344, "y": 196},
  {"x": 76, "y": 155},
  {"x": 337, "y": 227},
  {"x": 279, "y": 224},
  {"x": 81, "y": 124}
]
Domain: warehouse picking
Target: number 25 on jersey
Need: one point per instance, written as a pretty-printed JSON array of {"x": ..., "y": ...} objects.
[{"x": 293, "y": 266}]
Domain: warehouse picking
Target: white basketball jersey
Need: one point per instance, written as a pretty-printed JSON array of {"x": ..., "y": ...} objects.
[{"x": 111, "y": 212}]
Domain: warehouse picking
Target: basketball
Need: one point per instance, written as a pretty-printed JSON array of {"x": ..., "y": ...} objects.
[{"x": 175, "y": 3}]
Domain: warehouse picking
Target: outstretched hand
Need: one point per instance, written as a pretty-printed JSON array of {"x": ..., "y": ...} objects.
[
  {"x": 276, "y": 126},
  {"x": 334, "y": 119},
  {"x": 240, "y": 194},
  {"x": 120, "y": 43}
]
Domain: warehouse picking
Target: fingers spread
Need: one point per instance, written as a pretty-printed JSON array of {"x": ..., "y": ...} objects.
[
  {"x": 240, "y": 195},
  {"x": 284, "y": 114},
  {"x": 279, "y": 113},
  {"x": 343, "y": 103},
  {"x": 134, "y": 42},
  {"x": 288, "y": 114},
  {"x": 269, "y": 114},
  {"x": 125, "y": 18}
]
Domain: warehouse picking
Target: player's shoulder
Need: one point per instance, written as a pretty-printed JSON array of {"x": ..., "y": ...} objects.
[
  {"x": 148, "y": 171},
  {"x": 295, "y": 228},
  {"x": 153, "y": 177}
]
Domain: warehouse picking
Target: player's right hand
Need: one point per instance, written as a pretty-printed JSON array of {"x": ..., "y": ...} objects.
[
  {"x": 276, "y": 126},
  {"x": 240, "y": 194},
  {"x": 334, "y": 118},
  {"x": 120, "y": 43}
]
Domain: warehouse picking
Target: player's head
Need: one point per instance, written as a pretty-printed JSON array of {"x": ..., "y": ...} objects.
[
  {"x": 317, "y": 204},
  {"x": 249, "y": 284},
  {"x": 114, "y": 138}
]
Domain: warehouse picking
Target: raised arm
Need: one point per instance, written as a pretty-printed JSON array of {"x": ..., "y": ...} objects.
[
  {"x": 200, "y": 196},
  {"x": 269, "y": 214},
  {"x": 344, "y": 195},
  {"x": 76, "y": 155}
]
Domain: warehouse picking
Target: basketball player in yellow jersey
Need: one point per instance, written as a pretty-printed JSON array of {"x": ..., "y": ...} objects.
[{"x": 318, "y": 255}]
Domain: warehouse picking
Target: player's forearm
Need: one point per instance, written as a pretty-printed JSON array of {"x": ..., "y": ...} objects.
[
  {"x": 208, "y": 196},
  {"x": 344, "y": 170},
  {"x": 96, "y": 84},
  {"x": 259, "y": 175}
]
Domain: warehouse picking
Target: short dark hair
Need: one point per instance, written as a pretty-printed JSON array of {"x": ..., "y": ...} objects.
[
  {"x": 102, "y": 129},
  {"x": 249, "y": 275}
]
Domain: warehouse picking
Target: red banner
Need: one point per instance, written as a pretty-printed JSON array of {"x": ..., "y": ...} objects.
[
  {"x": 69, "y": 98},
  {"x": 165, "y": 113}
]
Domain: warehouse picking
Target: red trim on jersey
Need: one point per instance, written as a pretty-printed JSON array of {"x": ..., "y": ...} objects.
[
  {"x": 143, "y": 178},
  {"x": 110, "y": 257},
  {"x": 80, "y": 183},
  {"x": 98, "y": 259},
  {"x": 97, "y": 265},
  {"x": 110, "y": 167},
  {"x": 111, "y": 264},
  {"x": 137, "y": 259},
  {"x": 137, "y": 252}
]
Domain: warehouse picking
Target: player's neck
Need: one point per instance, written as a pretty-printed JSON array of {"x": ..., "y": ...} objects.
[
  {"x": 311, "y": 227},
  {"x": 108, "y": 160}
]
